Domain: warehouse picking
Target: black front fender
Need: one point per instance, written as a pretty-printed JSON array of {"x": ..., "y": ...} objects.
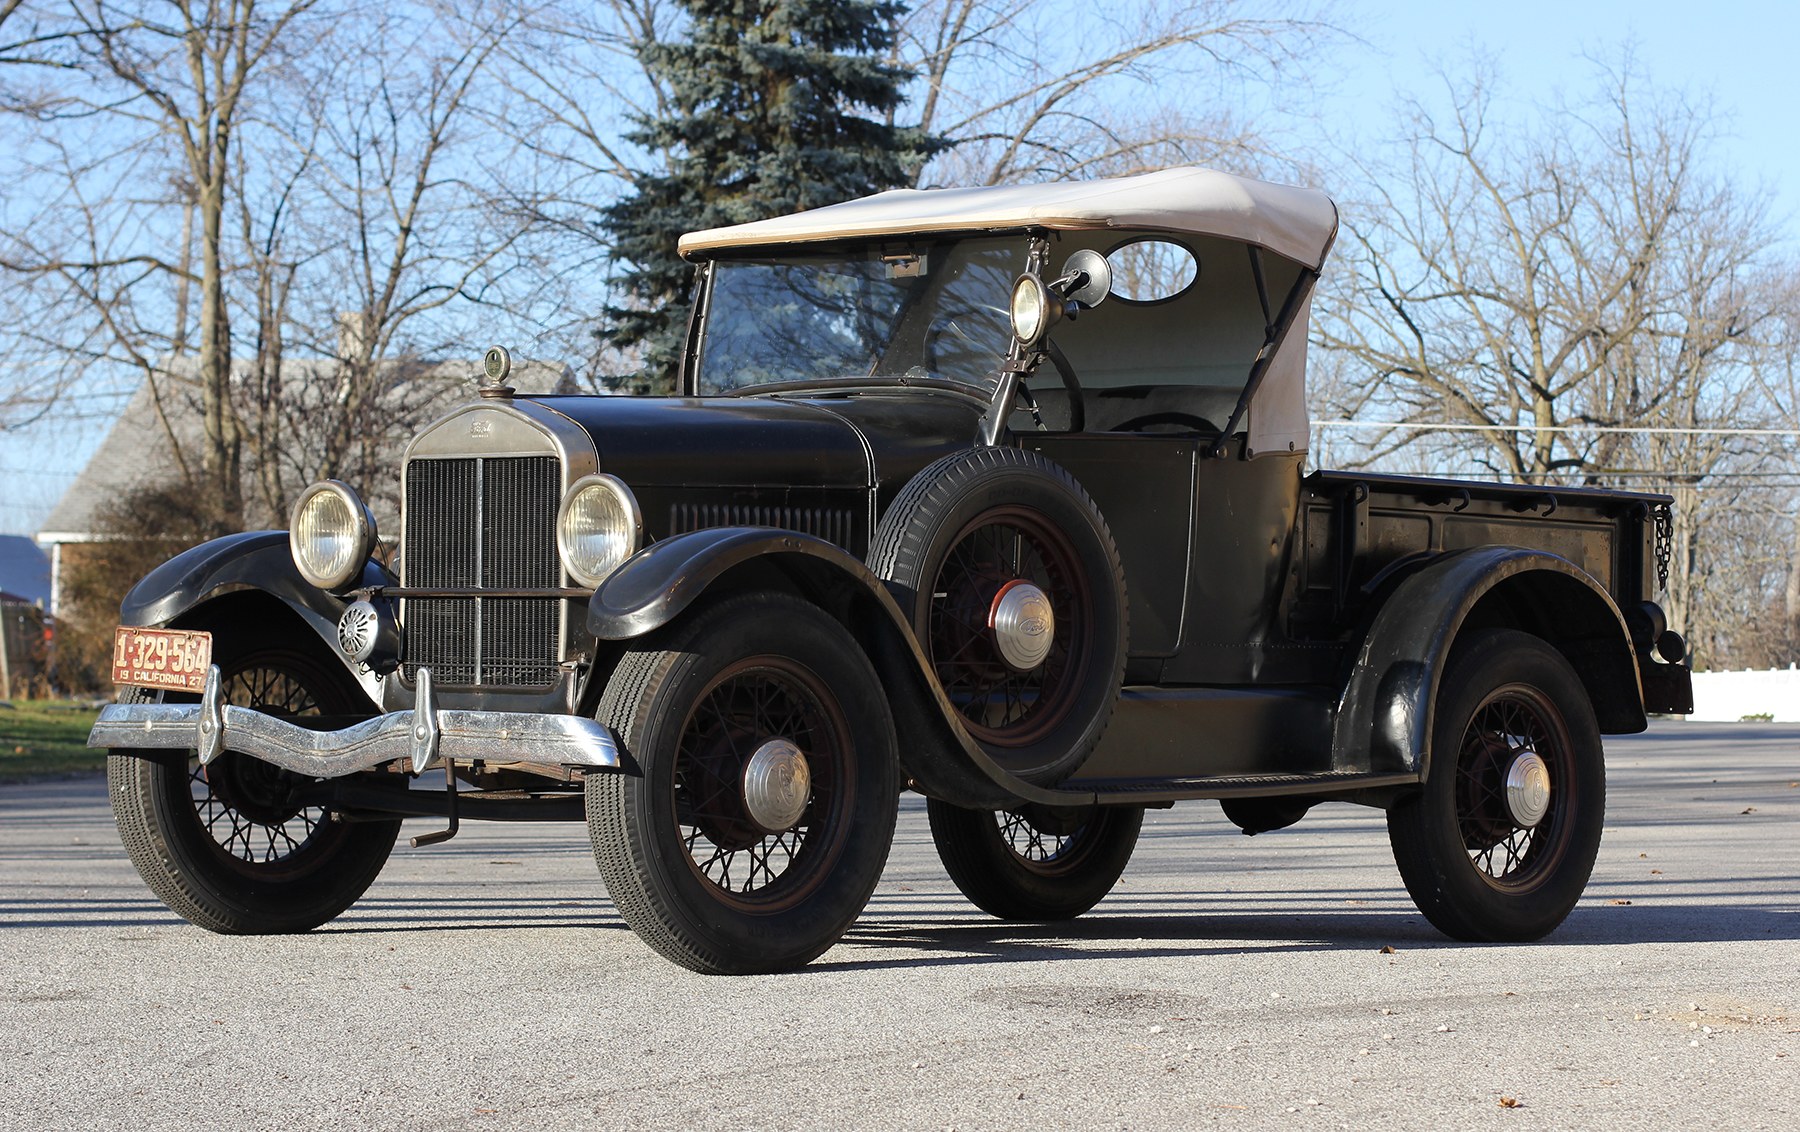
[
  {"x": 654, "y": 585},
  {"x": 660, "y": 582},
  {"x": 1384, "y": 717},
  {"x": 253, "y": 560}
]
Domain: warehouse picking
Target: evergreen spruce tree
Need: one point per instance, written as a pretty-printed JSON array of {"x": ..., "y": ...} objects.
[{"x": 775, "y": 106}]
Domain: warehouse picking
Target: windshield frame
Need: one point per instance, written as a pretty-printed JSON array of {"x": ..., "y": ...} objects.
[{"x": 700, "y": 320}]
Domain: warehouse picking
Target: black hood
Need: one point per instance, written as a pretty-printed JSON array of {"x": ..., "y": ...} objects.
[{"x": 851, "y": 440}]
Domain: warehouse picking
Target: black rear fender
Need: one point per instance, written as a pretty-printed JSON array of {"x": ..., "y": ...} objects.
[
  {"x": 661, "y": 582},
  {"x": 1383, "y": 721},
  {"x": 245, "y": 587}
]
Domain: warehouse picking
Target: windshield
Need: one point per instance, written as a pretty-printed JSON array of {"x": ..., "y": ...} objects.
[{"x": 921, "y": 311}]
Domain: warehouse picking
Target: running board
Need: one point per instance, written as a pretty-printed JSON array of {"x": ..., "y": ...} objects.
[{"x": 1150, "y": 791}]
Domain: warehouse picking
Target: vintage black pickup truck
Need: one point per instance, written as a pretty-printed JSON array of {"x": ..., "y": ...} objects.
[{"x": 999, "y": 495}]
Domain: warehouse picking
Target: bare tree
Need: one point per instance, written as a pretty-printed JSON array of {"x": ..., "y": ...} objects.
[
  {"x": 317, "y": 181},
  {"x": 388, "y": 221},
  {"x": 189, "y": 77},
  {"x": 165, "y": 81},
  {"x": 1557, "y": 285},
  {"x": 1032, "y": 91}
]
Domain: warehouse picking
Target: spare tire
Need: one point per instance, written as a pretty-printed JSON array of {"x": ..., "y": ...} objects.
[{"x": 1013, "y": 585}]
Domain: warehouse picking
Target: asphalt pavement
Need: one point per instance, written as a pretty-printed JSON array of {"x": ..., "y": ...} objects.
[{"x": 1282, "y": 981}]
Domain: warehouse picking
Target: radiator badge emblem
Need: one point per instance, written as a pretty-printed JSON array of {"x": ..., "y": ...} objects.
[{"x": 480, "y": 427}]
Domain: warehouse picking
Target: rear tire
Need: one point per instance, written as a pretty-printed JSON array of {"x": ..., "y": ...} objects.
[
  {"x": 1509, "y": 705},
  {"x": 227, "y": 846},
  {"x": 1035, "y": 864}
]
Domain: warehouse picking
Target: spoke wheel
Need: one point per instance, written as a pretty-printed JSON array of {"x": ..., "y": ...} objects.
[
  {"x": 251, "y": 809},
  {"x": 235, "y": 846},
  {"x": 1017, "y": 599},
  {"x": 1500, "y": 842},
  {"x": 765, "y": 801},
  {"x": 754, "y": 701},
  {"x": 1004, "y": 705},
  {"x": 1516, "y": 722},
  {"x": 1036, "y": 863}
]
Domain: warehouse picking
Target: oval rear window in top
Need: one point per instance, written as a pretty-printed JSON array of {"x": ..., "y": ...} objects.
[{"x": 1152, "y": 270}]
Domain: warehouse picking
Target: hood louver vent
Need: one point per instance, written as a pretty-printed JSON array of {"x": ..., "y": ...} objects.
[{"x": 834, "y": 525}]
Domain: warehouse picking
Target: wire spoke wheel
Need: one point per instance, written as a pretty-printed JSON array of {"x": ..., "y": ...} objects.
[
  {"x": 1516, "y": 722},
  {"x": 1004, "y": 705},
  {"x": 752, "y": 702},
  {"x": 1035, "y": 863},
  {"x": 248, "y": 807},
  {"x": 1030, "y": 844},
  {"x": 1500, "y": 841},
  {"x": 765, "y": 798},
  {"x": 240, "y": 846},
  {"x": 1013, "y": 588}
]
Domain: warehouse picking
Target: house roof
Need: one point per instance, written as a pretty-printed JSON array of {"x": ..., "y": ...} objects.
[
  {"x": 1294, "y": 222},
  {"x": 24, "y": 570},
  {"x": 137, "y": 453}
]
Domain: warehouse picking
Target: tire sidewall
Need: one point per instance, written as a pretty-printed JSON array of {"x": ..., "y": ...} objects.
[
  {"x": 998, "y": 881},
  {"x": 726, "y": 934},
  {"x": 1467, "y": 903},
  {"x": 185, "y": 865}
]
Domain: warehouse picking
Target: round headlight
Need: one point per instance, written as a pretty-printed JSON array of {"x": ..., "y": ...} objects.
[
  {"x": 598, "y": 527},
  {"x": 330, "y": 534},
  {"x": 1031, "y": 309}
]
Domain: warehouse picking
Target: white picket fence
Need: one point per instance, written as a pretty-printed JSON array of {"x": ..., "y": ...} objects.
[{"x": 1731, "y": 696}]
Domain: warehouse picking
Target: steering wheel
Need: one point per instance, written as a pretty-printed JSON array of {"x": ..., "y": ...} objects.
[
  {"x": 1149, "y": 420},
  {"x": 1077, "y": 401}
]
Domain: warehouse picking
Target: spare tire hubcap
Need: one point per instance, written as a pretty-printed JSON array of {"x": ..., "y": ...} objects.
[{"x": 1023, "y": 624}]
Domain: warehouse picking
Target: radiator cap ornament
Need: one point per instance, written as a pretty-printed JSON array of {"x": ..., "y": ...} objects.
[{"x": 496, "y": 364}]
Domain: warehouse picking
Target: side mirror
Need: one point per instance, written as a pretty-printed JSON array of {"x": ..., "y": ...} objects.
[{"x": 1089, "y": 274}]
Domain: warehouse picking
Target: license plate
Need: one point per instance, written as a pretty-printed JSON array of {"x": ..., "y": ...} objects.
[{"x": 175, "y": 659}]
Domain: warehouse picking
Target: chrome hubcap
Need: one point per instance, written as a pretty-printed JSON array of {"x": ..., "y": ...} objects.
[
  {"x": 1528, "y": 789},
  {"x": 1023, "y": 624},
  {"x": 777, "y": 785}
]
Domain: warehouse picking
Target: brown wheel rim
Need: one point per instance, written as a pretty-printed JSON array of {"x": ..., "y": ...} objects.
[
  {"x": 1513, "y": 722},
  {"x": 1000, "y": 705},
  {"x": 745, "y": 706}
]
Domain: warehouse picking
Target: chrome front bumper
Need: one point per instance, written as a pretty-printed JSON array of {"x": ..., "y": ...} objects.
[{"x": 422, "y": 735}]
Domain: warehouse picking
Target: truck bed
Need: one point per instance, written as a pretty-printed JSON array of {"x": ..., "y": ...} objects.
[{"x": 1357, "y": 529}]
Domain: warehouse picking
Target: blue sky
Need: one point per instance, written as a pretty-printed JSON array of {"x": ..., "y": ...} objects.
[{"x": 1739, "y": 53}]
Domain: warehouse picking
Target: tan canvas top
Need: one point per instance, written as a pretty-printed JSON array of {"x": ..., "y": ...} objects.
[{"x": 1289, "y": 221}]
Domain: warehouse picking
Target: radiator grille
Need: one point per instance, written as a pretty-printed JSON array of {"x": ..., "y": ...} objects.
[
  {"x": 487, "y": 523},
  {"x": 831, "y": 524}
]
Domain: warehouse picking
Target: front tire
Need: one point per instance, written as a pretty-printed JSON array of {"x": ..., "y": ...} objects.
[
  {"x": 768, "y": 791},
  {"x": 1500, "y": 842},
  {"x": 1034, "y": 864},
  {"x": 232, "y": 847}
]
